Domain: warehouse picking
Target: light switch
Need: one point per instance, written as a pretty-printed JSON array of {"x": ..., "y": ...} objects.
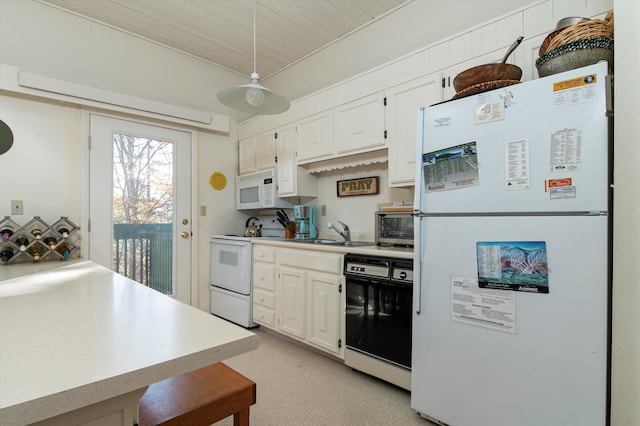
[{"x": 16, "y": 207}]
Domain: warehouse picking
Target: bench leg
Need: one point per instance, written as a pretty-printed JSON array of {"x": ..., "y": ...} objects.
[{"x": 241, "y": 418}]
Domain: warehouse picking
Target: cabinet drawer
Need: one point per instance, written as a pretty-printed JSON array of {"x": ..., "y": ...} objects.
[
  {"x": 312, "y": 260},
  {"x": 264, "y": 276},
  {"x": 264, "y": 316},
  {"x": 264, "y": 298},
  {"x": 264, "y": 254}
]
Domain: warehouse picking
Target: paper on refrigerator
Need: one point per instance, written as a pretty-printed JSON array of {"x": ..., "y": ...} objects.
[{"x": 493, "y": 309}]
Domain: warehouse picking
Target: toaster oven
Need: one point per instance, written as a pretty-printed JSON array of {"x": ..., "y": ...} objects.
[{"x": 394, "y": 228}]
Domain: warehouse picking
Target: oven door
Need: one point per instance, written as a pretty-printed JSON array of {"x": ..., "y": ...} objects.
[
  {"x": 379, "y": 319},
  {"x": 231, "y": 265}
]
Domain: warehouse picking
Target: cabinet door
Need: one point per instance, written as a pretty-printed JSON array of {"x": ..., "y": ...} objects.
[
  {"x": 291, "y": 302},
  {"x": 266, "y": 151},
  {"x": 247, "y": 155},
  {"x": 403, "y": 103},
  {"x": 448, "y": 90},
  {"x": 285, "y": 145},
  {"x": 324, "y": 311},
  {"x": 359, "y": 125},
  {"x": 315, "y": 136}
]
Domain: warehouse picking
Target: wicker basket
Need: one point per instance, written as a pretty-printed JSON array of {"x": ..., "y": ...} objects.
[
  {"x": 576, "y": 54},
  {"x": 582, "y": 30}
]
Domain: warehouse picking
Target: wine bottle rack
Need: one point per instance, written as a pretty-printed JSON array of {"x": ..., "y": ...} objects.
[{"x": 37, "y": 241}]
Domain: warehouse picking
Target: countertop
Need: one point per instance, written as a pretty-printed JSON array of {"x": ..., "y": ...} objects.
[
  {"x": 75, "y": 333},
  {"x": 373, "y": 249}
]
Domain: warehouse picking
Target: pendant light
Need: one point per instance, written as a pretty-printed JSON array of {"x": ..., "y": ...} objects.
[{"x": 253, "y": 97}]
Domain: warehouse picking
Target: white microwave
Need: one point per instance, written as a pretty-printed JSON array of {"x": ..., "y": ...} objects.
[{"x": 259, "y": 191}]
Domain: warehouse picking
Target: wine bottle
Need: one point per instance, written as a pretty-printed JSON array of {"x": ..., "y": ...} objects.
[
  {"x": 6, "y": 254},
  {"x": 6, "y": 232},
  {"x": 64, "y": 249},
  {"x": 36, "y": 251},
  {"x": 51, "y": 242},
  {"x": 36, "y": 233},
  {"x": 22, "y": 242},
  {"x": 64, "y": 231}
]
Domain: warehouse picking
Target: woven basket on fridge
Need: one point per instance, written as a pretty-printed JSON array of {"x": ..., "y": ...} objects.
[{"x": 582, "y": 30}]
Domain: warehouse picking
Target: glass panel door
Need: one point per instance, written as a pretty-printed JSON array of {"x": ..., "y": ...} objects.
[{"x": 140, "y": 203}]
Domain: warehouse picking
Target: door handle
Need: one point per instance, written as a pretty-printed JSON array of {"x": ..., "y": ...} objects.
[{"x": 184, "y": 235}]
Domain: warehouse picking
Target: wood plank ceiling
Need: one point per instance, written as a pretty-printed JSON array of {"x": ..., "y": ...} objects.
[{"x": 221, "y": 31}]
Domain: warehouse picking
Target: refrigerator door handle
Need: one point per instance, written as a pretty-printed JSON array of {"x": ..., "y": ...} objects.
[
  {"x": 417, "y": 205},
  {"x": 417, "y": 266}
]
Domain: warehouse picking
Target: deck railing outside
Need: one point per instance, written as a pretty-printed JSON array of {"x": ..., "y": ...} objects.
[{"x": 143, "y": 252}]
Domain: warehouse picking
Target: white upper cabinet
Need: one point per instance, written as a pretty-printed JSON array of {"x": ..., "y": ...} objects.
[
  {"x": 293, "y": 181},
  {"x": 315, "y": 136},
  {"x": 257, "y": 153},
  {"x": 403, "y": 103},
  {"x": 266, "y": 150},
  {"x": 285, "y": 142},
  {"x": 247, "y": 155},
  {"x": 359, "y": 125}
]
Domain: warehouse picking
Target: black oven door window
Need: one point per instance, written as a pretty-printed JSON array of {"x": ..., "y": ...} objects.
[{"x": 379, "y": 319}]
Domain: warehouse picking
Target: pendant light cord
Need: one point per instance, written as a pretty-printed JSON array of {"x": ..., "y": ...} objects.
[{"x": 254, "y": 36}]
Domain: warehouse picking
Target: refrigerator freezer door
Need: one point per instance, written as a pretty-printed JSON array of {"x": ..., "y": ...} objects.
[
  {"x": 542, "y": 134},
  {"x": 552, "y": 370}
]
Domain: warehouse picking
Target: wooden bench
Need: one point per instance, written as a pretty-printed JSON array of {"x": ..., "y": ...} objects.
[{"x": 198, "y": 398}]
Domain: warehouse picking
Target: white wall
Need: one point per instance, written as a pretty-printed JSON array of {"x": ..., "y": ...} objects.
[
  {"x": 356, "y": 211},
  {"x": 43, "y": 166},
  {"x": 216, "y": 154},
  {"x": 626, "y": 235}
]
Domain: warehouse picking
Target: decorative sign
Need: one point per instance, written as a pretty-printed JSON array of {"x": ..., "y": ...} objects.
[{"x": 360, "y": 186}]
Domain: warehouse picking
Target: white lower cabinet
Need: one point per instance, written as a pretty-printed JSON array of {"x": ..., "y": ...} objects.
[
  {"x": 291, "y": 314},
  {"x": 324, "y": 314},
  {"x": 264, "y": 285},
  {"x": 299, "y": 293}
]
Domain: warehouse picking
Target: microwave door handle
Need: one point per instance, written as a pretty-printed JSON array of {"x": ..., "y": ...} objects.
[{"x": 261, "y": 193}]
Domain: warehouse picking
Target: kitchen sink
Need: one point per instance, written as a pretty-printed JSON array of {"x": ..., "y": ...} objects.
[{"x": 322, "y": 242}]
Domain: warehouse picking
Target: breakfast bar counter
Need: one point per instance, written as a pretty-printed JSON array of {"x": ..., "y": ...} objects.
[{"x": 79, "y": 342}]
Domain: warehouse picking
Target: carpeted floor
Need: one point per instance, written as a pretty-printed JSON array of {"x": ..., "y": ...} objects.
[{"x": 296, "y": 386}]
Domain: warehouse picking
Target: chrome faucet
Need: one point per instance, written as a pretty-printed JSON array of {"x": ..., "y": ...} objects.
[{"x": 345, "y": 233}]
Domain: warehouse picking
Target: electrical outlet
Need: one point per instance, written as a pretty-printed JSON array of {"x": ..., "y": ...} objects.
[
  {"x": 323, "y": 210},
  {"x": 17, "y": 207}
]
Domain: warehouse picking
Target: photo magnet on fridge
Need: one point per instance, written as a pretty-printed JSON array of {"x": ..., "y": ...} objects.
[{"x": 513, "y": 265}]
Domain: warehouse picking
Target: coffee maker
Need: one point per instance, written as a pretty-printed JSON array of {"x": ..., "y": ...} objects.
[{"x": 305, "y": 218}]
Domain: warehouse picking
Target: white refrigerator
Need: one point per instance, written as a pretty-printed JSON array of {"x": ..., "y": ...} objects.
[{"x": 511, "y": 296}]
